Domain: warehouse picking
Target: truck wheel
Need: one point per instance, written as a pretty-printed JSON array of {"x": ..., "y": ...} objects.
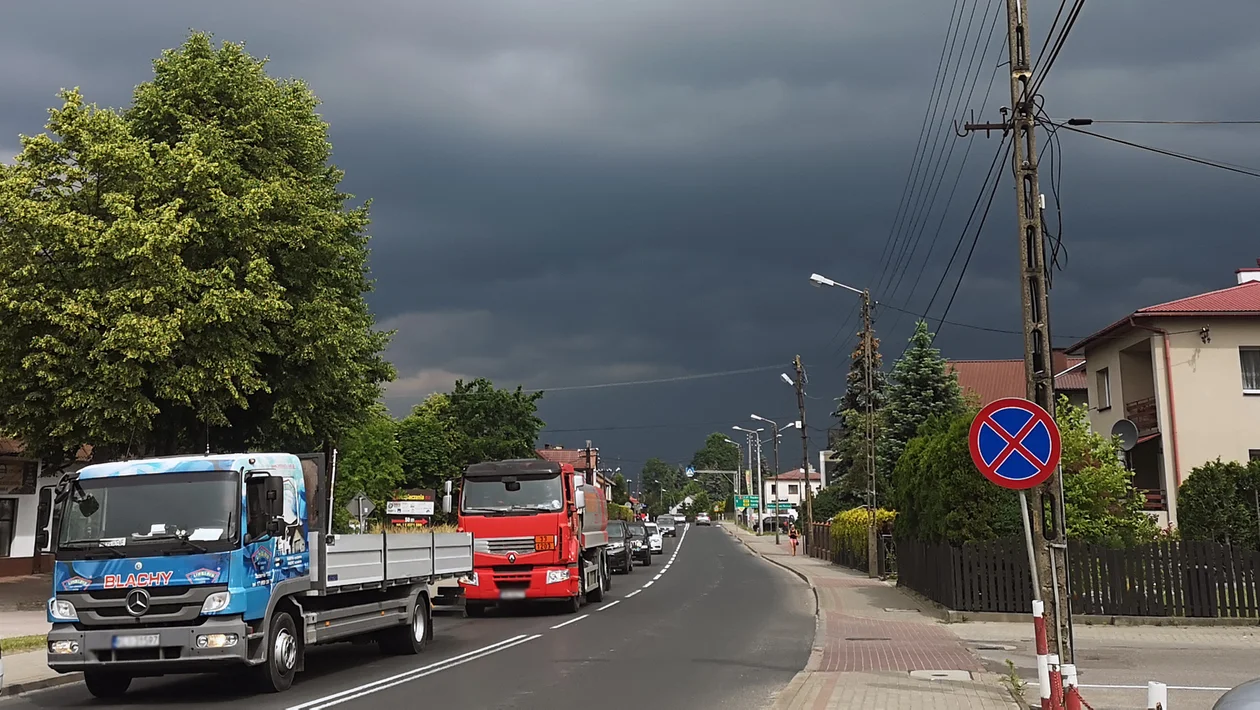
[
  {"x": 275, "y": 675},
  {"x": 603, "y": 561},
  {"x": 410, "y": 639},
  {"x": 474, "y": 611},
  {"x": 597, "y": 594},
  {"x": 105, "y": 685}
]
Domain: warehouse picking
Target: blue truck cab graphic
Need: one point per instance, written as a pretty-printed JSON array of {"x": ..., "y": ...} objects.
[{"x": 200, "y": 563}]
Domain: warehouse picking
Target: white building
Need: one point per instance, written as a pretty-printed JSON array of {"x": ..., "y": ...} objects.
[
  {"x": 790, "y": 487},
  {"x": 21, "y": 480}
]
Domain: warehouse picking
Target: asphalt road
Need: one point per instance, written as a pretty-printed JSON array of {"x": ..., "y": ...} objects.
[{"x": 708, "y": 624}]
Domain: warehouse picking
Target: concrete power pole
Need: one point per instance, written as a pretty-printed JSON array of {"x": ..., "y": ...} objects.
[
  {"x": 868, "y": 358},
  {"x": 1047, "y": 518},
  {"x": 809, "y": 490}
]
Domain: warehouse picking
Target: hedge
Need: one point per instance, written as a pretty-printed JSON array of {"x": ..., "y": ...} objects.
[
  {"x": 619, "y": 512},
  {"x": 848, "y": 528}
]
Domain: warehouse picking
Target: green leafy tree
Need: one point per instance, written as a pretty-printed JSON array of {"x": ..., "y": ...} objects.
[
  {"x": 1102, "y": 505},
  {"x": 700, "y": 503},
  {"x": 716, "y": 455},
  {"x": 941, "y": 497},
  {"x": 658, "y": 475},
  {"x": 922, "y": 388},
  {"x": 492, "y": 424},
  {"x": 428, "y": 439},
  {"x": 1218, "y": 501},
  {"x": 854, "y": 480},
  {"x": 620, "y": 494},
  {"x": 369, "y": 462},
  {"x": 829, "y": 501},
  {"x": 185, "y": 272}
]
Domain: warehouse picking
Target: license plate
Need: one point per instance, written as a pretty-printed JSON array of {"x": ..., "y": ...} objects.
[
  {"x": 512, "y": 594},
  {"x": 145, "y": 641}
]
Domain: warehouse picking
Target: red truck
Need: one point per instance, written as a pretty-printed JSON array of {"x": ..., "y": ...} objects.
[{"x": 540, "y": 533}]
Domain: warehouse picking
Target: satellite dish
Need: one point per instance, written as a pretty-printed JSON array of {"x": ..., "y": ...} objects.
[{"x": 1128, "y": 433}]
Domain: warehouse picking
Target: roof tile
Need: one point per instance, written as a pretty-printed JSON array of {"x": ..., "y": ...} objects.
[
  {"x": 1243, "y": 298},
  {"x": 991, "y": 380}
]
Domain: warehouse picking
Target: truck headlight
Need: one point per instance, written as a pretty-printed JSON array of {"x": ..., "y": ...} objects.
[
  {"x": 470, "y": 580},
  {"x": 556, "y": 576},
  {"x": 62, "y": 610},
  {"x": 216, "y": 602}
]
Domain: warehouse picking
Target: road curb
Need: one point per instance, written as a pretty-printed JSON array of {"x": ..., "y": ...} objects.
[
  {"x": 16, "y": 689},
  {"x": 804, "y": 577}
]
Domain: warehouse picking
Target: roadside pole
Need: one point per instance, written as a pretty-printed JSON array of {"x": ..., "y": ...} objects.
[{"x": 1016, "y": 444}]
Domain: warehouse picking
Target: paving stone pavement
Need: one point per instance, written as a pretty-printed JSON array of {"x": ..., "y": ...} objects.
[{"x": 870, "y": 636}]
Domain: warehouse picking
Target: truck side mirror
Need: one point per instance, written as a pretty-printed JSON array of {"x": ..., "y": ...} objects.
[
  {"x": 273, "y": 497},
  {"x": 42, "y": 515},
  {"x": 446, "y": 501},
  {"x": 448, "y": 488}
]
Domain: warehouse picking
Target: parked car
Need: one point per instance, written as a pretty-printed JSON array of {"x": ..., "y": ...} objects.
[
  {"x": 666, "y": 524},
  {"x": 639, "y": 549},
  {"x": 655, "y": 544},
  {"x": 702, "y": 519},
  {"x": 619, "y": 555}
]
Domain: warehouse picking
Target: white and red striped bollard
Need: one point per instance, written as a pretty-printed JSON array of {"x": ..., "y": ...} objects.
[
  {"x": 1043, "y": 649},
  {"x": 1056, "y": 682},
  {"x": 1071, "y": 693}
]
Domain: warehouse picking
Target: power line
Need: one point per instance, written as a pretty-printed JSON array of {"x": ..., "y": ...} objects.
[
  {"x": 1242, "y": 170},
  {"x": 1144, "y": 122}
]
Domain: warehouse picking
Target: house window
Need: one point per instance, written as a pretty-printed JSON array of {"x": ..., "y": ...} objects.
[
  {"x": 1104, "y": 388},
  {"x": 1250, "y": 359},
  {"x": 8, "y": 524},
  {"x": 772, "y": 489},
  {"x": 793, "y": 489},
  {"x": 1254, "y": 454}
]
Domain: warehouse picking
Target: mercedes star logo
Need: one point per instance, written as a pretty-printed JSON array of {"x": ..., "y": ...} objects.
[{"x": 137, "y": 602}]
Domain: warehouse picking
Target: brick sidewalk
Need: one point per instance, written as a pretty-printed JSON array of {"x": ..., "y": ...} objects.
[{"x": 869, "y": 640}]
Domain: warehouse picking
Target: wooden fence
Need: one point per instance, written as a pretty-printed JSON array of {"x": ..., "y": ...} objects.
[
  {"x": 824, "y": 549},
  {"x": 1174, "y": 579}
]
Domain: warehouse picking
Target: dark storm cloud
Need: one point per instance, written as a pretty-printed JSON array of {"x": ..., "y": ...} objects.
[{"x": 569, "y": 193}]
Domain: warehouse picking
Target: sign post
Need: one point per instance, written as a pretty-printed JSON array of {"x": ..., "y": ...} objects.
[
  {"x": 360, "y": 507},
  {"x": 1016, "y": 444}
]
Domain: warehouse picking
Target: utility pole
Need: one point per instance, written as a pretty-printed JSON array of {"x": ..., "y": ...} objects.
[
  {"x": 868, "y": 358},
  {"x": 761, "y": 491},
  {"x": 775, "y": 485},
  {"x": 1047, "y": 519},
  {"x": 809, "y": 489}
]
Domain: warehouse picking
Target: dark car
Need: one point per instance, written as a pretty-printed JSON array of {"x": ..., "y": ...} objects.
[
  {"x": 639, "y": 548},
  {"x": 619, "y": 559}
]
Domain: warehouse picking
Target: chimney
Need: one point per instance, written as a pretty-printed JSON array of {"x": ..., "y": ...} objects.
[
  {"x": 1249, "y": 274},
  {"x": 1058, "y": 360}
]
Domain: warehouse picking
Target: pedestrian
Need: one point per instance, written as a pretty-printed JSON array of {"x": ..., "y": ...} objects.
[{"x": 792, "y": 538}]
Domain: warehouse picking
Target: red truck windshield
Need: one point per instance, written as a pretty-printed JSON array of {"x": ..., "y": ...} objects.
[{"x": 531, "y": 494}]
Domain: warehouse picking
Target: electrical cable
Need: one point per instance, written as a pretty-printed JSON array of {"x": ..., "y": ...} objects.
[{"x": 1242, "y": 170}]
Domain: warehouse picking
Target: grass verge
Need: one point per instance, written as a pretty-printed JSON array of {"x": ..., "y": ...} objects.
[{"x": 20, "y": 644}]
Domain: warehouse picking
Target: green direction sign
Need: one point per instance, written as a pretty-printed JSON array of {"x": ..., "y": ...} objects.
[
  {"x": 782, "y": 505},
  {"x": 746, "y": 501}
]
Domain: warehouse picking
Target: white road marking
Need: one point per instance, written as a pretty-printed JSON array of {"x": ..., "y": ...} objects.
[
  {"x": 390, "y": 682},
  {"x": 650, "y": 583},
  {"x": 609, "y": 605},
  {"x": 631, "y": 594},
  {"x": 657, "y": 577},
  {"x": 574, "y": 620}
]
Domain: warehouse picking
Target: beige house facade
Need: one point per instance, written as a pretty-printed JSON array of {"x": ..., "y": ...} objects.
[{"x": 1187, "y": 374}]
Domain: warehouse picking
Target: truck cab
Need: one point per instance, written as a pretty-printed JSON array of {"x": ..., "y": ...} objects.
[{"x": 540, "y": 533}]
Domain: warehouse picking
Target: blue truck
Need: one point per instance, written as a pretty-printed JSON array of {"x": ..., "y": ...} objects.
[{"x": 192, "y": 564}]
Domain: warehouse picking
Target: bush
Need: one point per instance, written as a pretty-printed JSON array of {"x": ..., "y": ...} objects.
[
  {"x": 848, "y": 529},
  {"x": 619, "y": 512},
  {"x": 1218, "y": 502}
]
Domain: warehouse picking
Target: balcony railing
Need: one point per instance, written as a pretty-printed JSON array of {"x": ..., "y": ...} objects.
[
  {"x": 1155, "y": 500},
  {"x": 1144, "y": 414}
]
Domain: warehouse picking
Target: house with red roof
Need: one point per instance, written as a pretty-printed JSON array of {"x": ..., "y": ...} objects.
[
  {"x": 990, "y": 380},
  {"x": 1186, "y": 373}
]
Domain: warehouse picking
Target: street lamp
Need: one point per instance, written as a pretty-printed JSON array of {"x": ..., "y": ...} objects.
[
  {"x": 753, "y": 437},
  {"x": 778, "y": 432},
  {"x": 868, "y": 356}
]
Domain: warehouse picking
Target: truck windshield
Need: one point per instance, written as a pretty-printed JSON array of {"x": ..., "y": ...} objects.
[
  {"x": 536, "y": 494},
  {"x": 193, "y": 511}
]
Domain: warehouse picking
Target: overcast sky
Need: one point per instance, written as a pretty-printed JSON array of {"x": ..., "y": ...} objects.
[{"x": 574, "y": 192}]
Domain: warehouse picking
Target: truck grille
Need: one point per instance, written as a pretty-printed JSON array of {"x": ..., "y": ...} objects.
[
  {"x": 107, "y": 608},
  {"x": 504, "y": 545}
]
